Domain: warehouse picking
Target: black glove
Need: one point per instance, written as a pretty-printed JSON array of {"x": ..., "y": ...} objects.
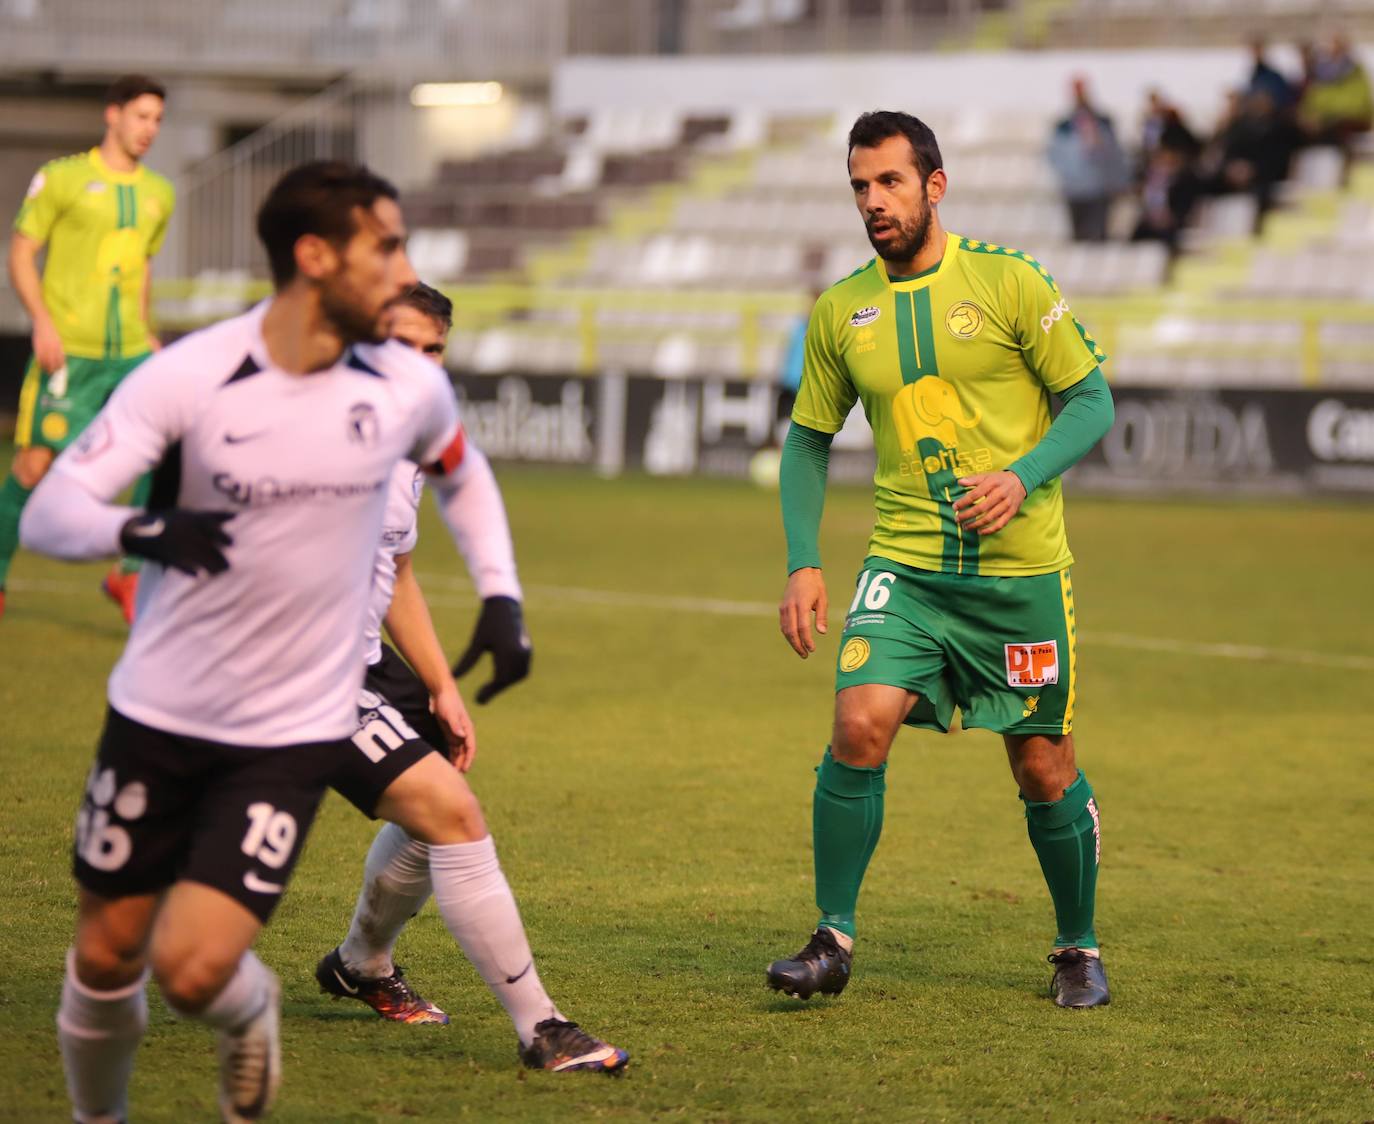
[
  {"x": 501, "y": 631},
  {"x": 189, "y": 541}
]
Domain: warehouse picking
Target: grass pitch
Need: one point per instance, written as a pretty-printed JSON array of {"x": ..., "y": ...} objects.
[{"x": 649, "y": 790}]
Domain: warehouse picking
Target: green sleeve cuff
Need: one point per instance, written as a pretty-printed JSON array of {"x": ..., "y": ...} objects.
[
  {"x": 1087, "y": 415},
  {"x": 801, "y": 483}
]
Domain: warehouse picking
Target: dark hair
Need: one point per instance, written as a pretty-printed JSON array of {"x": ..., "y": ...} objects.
[
  {"x": 126, "y": 87},
  {"x": 316, "y": 198},
  {"x": 871, "y": 129},
  {"x": 429, "y": 301}
]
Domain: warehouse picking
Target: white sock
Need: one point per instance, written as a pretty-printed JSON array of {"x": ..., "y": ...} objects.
[
  {"x": 242, "y": 999},
  {"x": 476, "y": 904},
  {"x": 396, "y": 886},
  {"x": 99, "y": 1033}
]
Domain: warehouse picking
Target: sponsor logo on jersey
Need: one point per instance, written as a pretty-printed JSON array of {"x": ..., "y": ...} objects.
[
  {"x": 964, "y": 320},
  {"x": 1056, "y": 314},
  {"x": 95, "y": 187},
  {"x": 1032, "y": 665},
  {"x": 269, "y": 490},
  {"x": 928, "y": 417},
  {"x": 864, "y": 341},
  {"x": 865, "y": 315},
  {"x": 1032, "y": 705},
  {"x": 417, "y": 485},
  {"x": 363, "y": 426},
  {"x": 855, "y": 654}
]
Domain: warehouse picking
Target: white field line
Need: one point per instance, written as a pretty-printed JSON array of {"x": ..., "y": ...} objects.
[{"x": 447, "y": 591}]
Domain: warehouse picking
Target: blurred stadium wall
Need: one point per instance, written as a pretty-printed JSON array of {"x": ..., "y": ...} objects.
[{"x": 632, "y": 201}]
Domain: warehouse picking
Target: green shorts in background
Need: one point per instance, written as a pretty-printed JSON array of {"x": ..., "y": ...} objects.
[
  {"x": 1000, "y": 649},
  {"x": 52, "y": 414}
]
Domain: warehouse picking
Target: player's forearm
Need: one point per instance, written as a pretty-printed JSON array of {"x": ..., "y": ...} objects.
[
  {"x": 28, "y": 285},
  {"x": 1087, "y": 415},
  {"x": 471, "y": 505},
  {"x": 62, "y": 519},
  {"x": 801, "y": 482},
  {"x": 411, "y": 629}
]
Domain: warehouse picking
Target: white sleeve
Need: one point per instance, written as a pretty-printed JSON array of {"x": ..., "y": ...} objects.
[
  {"x": 470, "y": 502},
  {"x": 70, "y": 514}
]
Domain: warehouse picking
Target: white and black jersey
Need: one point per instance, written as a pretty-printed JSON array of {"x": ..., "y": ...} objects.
[
  {"x": 400, "y": 533},
  {"x": 271, "y": 652}
]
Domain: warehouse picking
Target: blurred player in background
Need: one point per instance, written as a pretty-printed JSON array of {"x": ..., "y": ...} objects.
[
  {"x": 954, "y": 347},
  {"x": 422, "y": 707},
  {"x": 102, "y": 216}
]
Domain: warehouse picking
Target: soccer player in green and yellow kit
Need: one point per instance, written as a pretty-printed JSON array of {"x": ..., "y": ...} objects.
[
  {"x": 954, "y": 347},
  {"x": 102, "y": 215}
]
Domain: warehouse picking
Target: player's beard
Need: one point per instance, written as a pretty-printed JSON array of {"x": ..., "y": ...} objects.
[
  {"x": 912, "y": 235},
  {"x": 354, "y": 325}
]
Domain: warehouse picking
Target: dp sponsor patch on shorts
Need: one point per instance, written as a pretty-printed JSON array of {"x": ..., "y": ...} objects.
[{"x": 1032, "y": 665}]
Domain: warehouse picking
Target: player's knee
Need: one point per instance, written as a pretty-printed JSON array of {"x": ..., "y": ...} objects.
[
  {"x": 1044, "y": 767},
  {"x": 31, "y": 465},
  {"x": 448, "y": 814},
  {"x": 190, "y": 983},
  {"x": 105, "y": 963},
  {"x": 860, "y": 739}
]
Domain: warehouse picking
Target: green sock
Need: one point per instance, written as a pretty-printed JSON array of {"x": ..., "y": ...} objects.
[
  {"x": 13, "y": 497},
  {"x": 143, "y": 489},
  {"x": 1067, "y": 839},
  {"x": 846, "y": 820}
]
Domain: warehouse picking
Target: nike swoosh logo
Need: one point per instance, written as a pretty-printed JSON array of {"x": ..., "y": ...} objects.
[
  {"x": 240, "y": 438},
  {"x": 523, "y": 971},
  {"x": 597, "y": 1056},
  {"x": 343, "y": 983},
  {"x": 149, "y": 530},
  {"x": 258, "y": 886}
]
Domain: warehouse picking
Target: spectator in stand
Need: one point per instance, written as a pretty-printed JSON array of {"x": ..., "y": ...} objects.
[
  {"x": 1169, "y": 189},
  {"x": 1265, "y": 79},
  {"x": 1336, "y": 104},
  {"x": 1253, "y": 149},
  {"x": 1165, "y": 128},
  {"x": 1090, "y": 165}
]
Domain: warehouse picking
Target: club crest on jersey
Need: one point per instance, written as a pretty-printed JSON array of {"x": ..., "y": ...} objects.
[
  {"x": 964, "y": 320},
  {"x": 865, "y": 316},
  {"x": 363, "y": 426},
  {"x": 1032, "y": 665}
]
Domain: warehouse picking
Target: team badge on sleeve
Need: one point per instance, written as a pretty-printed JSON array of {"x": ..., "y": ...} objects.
[
  {"x": 1032, "y": 665},
  {"x": 35, "y": 185}
]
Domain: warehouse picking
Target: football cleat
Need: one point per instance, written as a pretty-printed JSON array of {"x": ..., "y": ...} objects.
[
  {"x": 562, "y": 1047},
  {"x": 1079, "y": 980},
  {"x": 821, "y": 966},
  {"x": 391, "y": 996},
  {"x": 122, "y": 589},
  {"x": 250, "y": 1063}
]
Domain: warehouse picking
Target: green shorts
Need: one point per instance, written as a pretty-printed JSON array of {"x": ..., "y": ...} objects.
[
  {"x": 1000, "y": 649},
  {"x": 53, "y": 415}
]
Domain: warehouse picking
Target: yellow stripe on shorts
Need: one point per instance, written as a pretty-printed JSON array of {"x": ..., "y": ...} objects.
[
  {"x": 28, "y": 404},
  {"x": 1071, "y": 630}
]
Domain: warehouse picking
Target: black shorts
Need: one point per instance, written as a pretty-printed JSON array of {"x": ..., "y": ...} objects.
[
  {"x": 161, "y": 808},
  {"x": 395, "y": 730}
]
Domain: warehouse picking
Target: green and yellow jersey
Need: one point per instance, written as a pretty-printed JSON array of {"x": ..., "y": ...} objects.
[
  {"x": 100, "y": 227},
  {"x": 954, "y": 368}
]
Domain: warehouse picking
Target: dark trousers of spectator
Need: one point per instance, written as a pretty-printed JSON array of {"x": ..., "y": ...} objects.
[{"x": 1089, "y": 219}]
